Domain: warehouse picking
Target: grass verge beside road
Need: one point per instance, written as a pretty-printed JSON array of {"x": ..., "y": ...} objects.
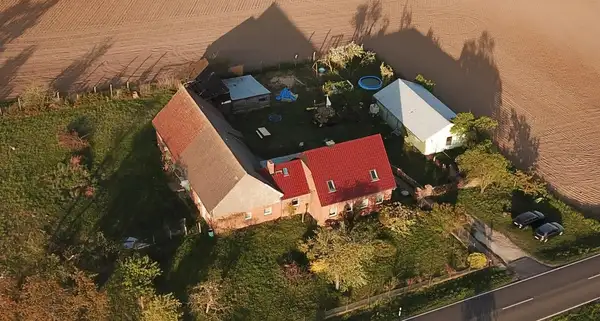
[
  {"x": 497, "y": 208},
  {"x": 435, "y": 296},
  {"x": 589, "y": 312}
]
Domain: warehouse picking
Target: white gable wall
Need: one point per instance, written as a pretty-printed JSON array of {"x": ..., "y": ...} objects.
[
  {"x": 437, "y": 142},
  {"x": 249, "y": 193}
]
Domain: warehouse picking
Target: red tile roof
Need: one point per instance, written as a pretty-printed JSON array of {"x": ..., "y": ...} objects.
[
  {"x": 293, "y": 185},
  {"x": 348, "y": 165},
  {"x": 178, "y": 123}
]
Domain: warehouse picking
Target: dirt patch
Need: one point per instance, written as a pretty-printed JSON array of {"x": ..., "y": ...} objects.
[{"x": 71, "y": 140}]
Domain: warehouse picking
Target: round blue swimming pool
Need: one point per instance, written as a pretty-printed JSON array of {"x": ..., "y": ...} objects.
[{"x": 370, "y": 83}]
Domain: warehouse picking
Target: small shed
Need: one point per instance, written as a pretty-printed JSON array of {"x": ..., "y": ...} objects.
[
  {"x": 424, "y": 119},
  {"x": 247, "y": 94}
]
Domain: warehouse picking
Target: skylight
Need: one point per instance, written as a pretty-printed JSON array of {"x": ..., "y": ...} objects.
[
  {"x": 374, "y": 176},
  {"x": 286, "y": 172},
  {"x": 331, "y": 186}
]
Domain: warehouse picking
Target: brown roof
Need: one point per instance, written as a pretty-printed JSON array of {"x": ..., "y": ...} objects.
[
  {"x": 219, "y": 166},
  {"x": 178, "y": 134}
]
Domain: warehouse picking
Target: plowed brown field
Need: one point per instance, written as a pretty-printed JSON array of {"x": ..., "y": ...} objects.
[{"x": 534, "y": 64}]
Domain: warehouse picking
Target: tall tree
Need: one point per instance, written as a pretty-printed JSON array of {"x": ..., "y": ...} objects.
[
  {"x": 529, "y": 184},
  {"x": 43, "y": 297},
  {"x": 206, "y": 301},
  {"x": 399, "y": 219},
  {"x": 486, "y": 166},
  {"x": 161, "y": 308},
  {"x": 473, "y": 129},
  {"x": 340, "y": 258},
  {"x": 130, "y": 285},
  {"x": 446, "y": 218}
]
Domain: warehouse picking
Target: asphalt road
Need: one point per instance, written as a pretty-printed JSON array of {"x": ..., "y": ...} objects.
[{"x": 533, "y": 299}]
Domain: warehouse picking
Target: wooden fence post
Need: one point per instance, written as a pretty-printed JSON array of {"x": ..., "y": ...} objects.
[
  {"x": 95, "y": 91},
  {"x": 19, "y": 102},
  {"x": 111, "y": 92}
]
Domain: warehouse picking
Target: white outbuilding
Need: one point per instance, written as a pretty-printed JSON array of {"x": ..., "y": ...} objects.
[{"x": 410, "y": 108}]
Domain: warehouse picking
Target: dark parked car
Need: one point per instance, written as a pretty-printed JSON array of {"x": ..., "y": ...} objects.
[
  {"x": 548, "y": 230},
  {"x": 527, "y": 218}
]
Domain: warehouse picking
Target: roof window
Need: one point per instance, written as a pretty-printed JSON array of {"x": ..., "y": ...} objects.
[
  {"x": 331, "y": 186},
  {"x": 374, "y": 176}
]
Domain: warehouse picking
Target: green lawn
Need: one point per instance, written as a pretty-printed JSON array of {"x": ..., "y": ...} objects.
[
  {"x": 589, "y": 312},
  {"x": 250, "y": 262},
  {"x": 582, "y": 235},
  {"x": 437, "y": 296},
  {"x": 131, "y": 197}
]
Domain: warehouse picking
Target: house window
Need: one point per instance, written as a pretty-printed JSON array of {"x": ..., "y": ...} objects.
[
  {"x": 295, "y": 202},
  {"x": 332, "y": 211},
  {"x": 449, "y": 141},
  {"x": 379, "y": 199},
  {"x": 349, "y": 207},
  {"x": 374, "y": 176},
  {"x": 331, "y": 186},
  {"x": 248, "y": 216},
  {"x": 268, "y": 211},
  {"x": 364, "y": 203},
  {"x": 262, "y": 99}
]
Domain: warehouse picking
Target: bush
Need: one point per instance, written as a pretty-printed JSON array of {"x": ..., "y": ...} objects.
[
  {"x": 477, "y": 260},
  {"x": 428, "y": 84}
]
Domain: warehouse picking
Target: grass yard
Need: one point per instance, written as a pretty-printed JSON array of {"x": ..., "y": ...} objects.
[
  {"x": 130, "y": 195},
  {"x": 297, "y": 124},
  {"x": 250, "y": 264},
  {"x": 589, "y": 312},
  {"x": 437, "y": 296},
  {"x": 581, "y": 237}
]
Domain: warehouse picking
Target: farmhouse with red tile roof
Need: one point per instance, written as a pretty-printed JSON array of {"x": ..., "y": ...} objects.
[{"x": 208, "y": 161}]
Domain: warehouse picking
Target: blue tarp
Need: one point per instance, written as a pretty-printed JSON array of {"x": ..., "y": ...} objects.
[{"x": 286, "y": 95}]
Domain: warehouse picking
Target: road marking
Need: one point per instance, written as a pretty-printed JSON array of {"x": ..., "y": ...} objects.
[
  {"x": 594, "y": 276},
  {"x": 568, "y": 309},
  {"x": 505, "y": 286},
  {"x": 514, "y": 305}
]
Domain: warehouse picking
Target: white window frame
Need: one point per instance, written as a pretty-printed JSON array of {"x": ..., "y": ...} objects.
[
  {"x": 268, "y": 211},
  {"x": 331, "y": 186},
  {"x": 374, "y": 175},
  {"x": 333, "y": 211},
  {"x": 379, "y": 198},
  {"x": 295, "y": 200},
  {"x": 451, "y": 140},
  {"x": 248, "y": 216}
]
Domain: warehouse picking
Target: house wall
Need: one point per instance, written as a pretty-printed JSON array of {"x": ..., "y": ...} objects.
[
  {"x": 239, "y": 220},
  {"x": 322, "y": 216},
  {"x": 390, "y": 119},
  {"x": 249, "y": 104},
  {"x": 437, "y": 142}
]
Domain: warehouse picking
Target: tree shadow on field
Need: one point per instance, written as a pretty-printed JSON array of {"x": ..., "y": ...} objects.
[
  {"x": 71, "y": 79},
  {"x": 14, "y": 22},
  {"x": 366, "y": 20},
  {"x": 521, "y": 147},
  {"x": 267, "y": 40},
  {"x": 469, "y": 83},
  {"x": 9, "y": 69}
]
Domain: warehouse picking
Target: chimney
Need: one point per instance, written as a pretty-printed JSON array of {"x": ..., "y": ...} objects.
[{"x": 271, "y": 167}]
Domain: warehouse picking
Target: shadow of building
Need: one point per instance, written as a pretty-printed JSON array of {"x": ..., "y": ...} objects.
[{"x": 266, "y": 40}]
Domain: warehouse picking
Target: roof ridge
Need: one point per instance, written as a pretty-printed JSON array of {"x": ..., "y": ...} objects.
[
  {"x": 213, "y": 129},
  {"x": 340, "y": 144}
]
